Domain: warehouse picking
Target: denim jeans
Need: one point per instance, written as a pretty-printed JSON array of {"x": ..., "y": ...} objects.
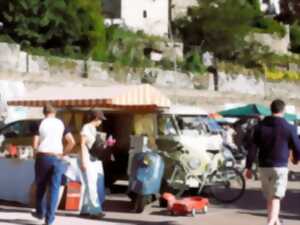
[
  {"x": 48, "y": 173},
  {"x": 101, "y": 188}
]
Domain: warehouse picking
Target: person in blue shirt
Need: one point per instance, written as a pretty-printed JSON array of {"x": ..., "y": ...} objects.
[{"x": 273, "y": 139}]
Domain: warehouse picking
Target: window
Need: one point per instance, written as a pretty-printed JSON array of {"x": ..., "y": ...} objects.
[
  {"x": 145, "y": 14},
  {"x": 20, "y": 129},
  {"x": 166, "y": 126}
]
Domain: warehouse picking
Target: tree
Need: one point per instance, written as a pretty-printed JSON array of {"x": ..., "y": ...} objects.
[
  {"x": 64, "y": 26},
  {"x": 295, "y": 38},
  {"x": 218, "y": 26},
  {"x": 290, "y": 11},
  {"x": 255, "y": 4}
]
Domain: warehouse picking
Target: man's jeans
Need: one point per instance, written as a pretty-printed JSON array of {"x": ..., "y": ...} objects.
[{"x": 48, "y": 173}]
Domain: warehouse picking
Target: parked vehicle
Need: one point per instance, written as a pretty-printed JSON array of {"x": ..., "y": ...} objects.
[
  {"x": 146, "y": 171},
  {"x": 186, "y": 136},
  {"x": 19, "y": 132}
]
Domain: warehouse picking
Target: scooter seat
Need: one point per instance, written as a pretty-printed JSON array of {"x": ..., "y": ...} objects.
[{"x": 213, "y": 151}]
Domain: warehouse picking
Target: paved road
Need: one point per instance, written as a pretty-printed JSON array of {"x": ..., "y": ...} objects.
[{"x": 248, "y": 211}]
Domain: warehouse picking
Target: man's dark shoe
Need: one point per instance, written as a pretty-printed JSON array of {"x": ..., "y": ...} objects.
[
  {"x": 98, "y": 216},
  {"x": 39, "y": 218}
]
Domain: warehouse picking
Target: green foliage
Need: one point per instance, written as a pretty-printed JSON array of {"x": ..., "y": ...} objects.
[
  {"x": 295, "y": 38},
  {"x": 232, "y": 68},
  {"x": 6, "y": 38},
  {"x": 252, "y": 55},
  {"x": 64, "y": 27},
  {"x": 167, "y": 64},
  {"x": 268, "y": 25},
  {"x": 255, "y": 4},
  {"x": 218, "y": 26},
  {"x": 127, "y": 48},
  {"x": 272, "y": 60},
  {"x": 193, "y": 63},
  {"x": 56, "y": 62}
]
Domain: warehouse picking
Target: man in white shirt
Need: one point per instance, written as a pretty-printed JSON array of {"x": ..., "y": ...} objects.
[{"x": 49, "y": 168}]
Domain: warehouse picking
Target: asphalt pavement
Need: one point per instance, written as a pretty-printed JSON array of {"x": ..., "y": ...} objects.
[{"x": 250, "y": 210}]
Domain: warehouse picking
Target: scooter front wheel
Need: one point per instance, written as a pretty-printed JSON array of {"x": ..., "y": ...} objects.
[{"x": 140, "y": 203}]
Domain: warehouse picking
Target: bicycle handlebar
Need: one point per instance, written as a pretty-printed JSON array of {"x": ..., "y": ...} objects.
[{"x": 177, "y": 147}]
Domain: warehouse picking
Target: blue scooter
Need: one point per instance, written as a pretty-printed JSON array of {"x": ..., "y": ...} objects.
[{"x": 147, "y": 169}]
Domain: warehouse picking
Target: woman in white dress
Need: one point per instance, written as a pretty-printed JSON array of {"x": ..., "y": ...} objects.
[{"x": 92, "y": 168}]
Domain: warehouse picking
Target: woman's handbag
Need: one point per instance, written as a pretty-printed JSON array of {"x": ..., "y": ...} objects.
[{"x": 99, "y": 148}]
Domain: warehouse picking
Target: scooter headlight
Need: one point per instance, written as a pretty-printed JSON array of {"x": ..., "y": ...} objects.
[{"x": 147, "y": 160}]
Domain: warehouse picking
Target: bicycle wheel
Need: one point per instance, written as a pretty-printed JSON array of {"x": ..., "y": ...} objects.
[{"x": 228, "y": 185}]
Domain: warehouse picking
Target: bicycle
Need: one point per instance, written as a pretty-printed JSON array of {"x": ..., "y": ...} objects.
[{"x": 226, "y": 183}]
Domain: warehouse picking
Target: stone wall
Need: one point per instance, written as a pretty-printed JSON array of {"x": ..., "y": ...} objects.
[
  {"x": 12, "y": 59},
  {"x": 18, "y": 65},
  {"x": 276, "y": 44},
  {"x": 251, "y": 85},
  {"x": 240, "y": 84}
]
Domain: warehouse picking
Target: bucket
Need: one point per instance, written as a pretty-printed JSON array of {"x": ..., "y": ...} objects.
[{"x": 73, "y": 195}]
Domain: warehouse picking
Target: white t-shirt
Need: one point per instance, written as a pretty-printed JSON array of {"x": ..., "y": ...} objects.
[
  {"x": 90, "y": 132},
  {"x": 51, "y": 132}
]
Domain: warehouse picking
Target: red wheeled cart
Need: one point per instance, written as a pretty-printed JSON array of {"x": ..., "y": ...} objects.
[{"x": 184, "y": 206}]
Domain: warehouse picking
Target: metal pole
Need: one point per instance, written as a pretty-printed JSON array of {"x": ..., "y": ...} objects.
[{"x": 174, "y": 61}]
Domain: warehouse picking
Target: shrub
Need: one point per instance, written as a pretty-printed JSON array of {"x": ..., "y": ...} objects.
[
  {"x": 193, "y": 63},
  {"x": 295, "y": 38},
  {"x": 6, "y": 38},
  {"x": 273, "y": 74},
  {"x": 268, "y": 25},
  {"x": 127, "y": 48}
]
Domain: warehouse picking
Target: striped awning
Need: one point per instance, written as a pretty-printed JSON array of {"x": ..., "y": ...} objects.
[{"x": 118, "y": 96}]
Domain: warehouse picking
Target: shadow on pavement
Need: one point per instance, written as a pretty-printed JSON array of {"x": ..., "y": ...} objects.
[
  {"x": 117, "y": 206},
  {"x": 164, "y": 212},
  {"x": 15, "y": 209},
  {"x": 137, "y": 222},
  {"x": 282, "y": 215},
  {"x": 19, "y": 221},
  {"x": 253, "y": 202}
]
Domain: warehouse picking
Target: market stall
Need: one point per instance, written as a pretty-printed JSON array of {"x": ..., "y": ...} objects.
[
  {"x": 130, "y": 111},
  {"x": 253, "y": 110},
  {"x": 16, "y": 178}
]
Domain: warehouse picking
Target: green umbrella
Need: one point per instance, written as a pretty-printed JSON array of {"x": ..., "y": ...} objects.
[{"x": 253, "y": 110}]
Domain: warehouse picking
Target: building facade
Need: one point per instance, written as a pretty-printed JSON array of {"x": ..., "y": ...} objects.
[
  {"x": 179, "y": 7},
  {"x": 270, "y": 6},
  {"x": 150, "y": 16}
]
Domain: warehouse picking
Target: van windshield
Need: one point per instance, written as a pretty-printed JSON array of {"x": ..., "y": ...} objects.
[{"x": 198, "y": 124}]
